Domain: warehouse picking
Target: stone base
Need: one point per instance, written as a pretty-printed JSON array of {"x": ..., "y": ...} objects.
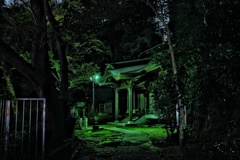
[{"x": 130, "y": 122}]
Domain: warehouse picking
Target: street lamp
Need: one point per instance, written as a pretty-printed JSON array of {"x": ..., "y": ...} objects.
[{"x": 94, "y": 79}]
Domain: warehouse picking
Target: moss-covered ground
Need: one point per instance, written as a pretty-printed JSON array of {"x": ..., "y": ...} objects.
[
  {"x": 155, "y": 132},
  {"x": 100, "y": 137},
  {"x": 105, "y": 135},
  {"x": 111, "y": 144},
  {"x": 101, "y": 132}
]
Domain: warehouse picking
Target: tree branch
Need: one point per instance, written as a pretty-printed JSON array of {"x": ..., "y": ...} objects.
[
  {"x": 61, "y": 50},
  {"x": 9, "y": 55}
]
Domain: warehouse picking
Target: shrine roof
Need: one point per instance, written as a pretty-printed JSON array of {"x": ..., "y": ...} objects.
[{"x": 133, "y": 70}]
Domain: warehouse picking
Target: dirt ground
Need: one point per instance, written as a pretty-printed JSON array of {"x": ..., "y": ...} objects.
[
  {"x": 125, "y": 143},
  {"x": 114, "y": 143},
  {"x": 120, "y": 145}
]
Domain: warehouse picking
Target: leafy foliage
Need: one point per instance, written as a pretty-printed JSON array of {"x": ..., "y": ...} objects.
[
  {"x": 16, "y": 28},
  {"x": 125, "y": 26},
  {"x": 207, "y": 48},
  {"x": 205, "y": 38},
  {"x": 206, "y": 43},
  {"x": 164, "y": 90},
  {"x": 86, "y": 53}
]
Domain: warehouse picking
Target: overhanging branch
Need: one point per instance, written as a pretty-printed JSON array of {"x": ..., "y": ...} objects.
[{"x": 10, "y": 56}]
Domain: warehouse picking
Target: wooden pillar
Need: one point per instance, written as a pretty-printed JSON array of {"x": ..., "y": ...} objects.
[
  {"x": 134, "y": 102},
  {"x": 116, "y": 105},
  {"x": 145, "y": 103},
  {"x": 130, "y": 107},
  {"x": 151, "y": 101},
  {"x": 142, "y": 103}
]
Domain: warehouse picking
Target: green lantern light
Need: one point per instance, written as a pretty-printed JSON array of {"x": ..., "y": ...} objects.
[{"x": 95, "y": 77}]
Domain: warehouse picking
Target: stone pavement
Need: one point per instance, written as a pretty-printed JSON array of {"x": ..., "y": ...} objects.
[
  {"x": 130, "y": 136},
  {"x": 134, "y": 145}
]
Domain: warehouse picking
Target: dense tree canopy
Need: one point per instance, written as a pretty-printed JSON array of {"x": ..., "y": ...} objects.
[
  {"x": 67, "y": 42},
  {"x": 206, "y": 43}
]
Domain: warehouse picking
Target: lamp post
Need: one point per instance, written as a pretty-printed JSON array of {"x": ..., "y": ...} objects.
[
  {"x": 93, "y": 97},
  {"x": 94, "y": 79}
]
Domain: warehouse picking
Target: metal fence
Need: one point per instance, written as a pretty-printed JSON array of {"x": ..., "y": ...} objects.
[{"x": 22, "y": 128}]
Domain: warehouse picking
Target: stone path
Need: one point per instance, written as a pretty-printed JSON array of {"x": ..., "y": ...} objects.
[
  {"x": 131, "y": 145},
  {"x": 134, "y": 145},
  {"x": 130, "y": 136}
]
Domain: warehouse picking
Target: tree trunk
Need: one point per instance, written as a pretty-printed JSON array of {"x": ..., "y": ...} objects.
[
  {"x": 40, "y": 61},
  {"x": 39, "y": 73},
  {"x": 174, "y": 67},
  {"x": 61, "y": 50},
  {"x": 20, "y": 64}
]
